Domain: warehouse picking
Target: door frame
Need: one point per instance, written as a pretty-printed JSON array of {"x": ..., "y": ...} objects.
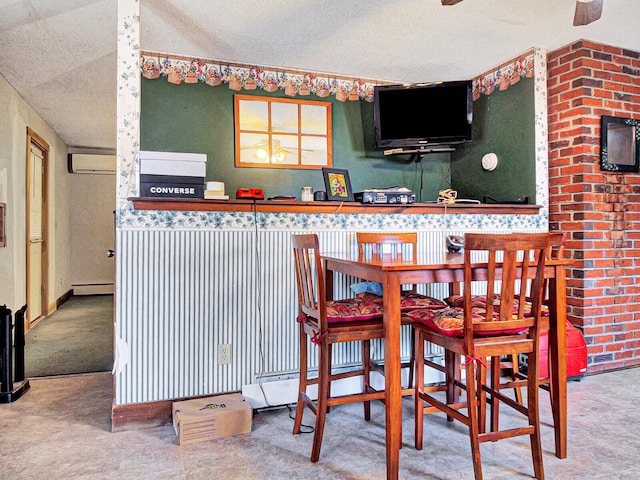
[{"x": 34, "y": 139}]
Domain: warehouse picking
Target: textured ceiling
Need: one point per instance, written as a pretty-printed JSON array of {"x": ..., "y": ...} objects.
[{"x": 61, "y": 55}]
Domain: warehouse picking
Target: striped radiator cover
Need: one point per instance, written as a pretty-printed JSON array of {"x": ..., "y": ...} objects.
[{"x": 182, "y": 293}]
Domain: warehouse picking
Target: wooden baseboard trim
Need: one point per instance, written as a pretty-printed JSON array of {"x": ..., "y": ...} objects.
[
  {"x": 63, "y": 298},
  {"x": 138, "y": 416},
  {"x": 93, "y": 289}
]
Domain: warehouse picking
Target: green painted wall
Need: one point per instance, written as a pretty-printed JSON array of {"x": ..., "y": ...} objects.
[
  {"x": 503, "y": 123},
  {"x": 199, "y": 118}
]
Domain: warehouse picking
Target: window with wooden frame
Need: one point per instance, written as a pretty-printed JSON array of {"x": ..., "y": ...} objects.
[{"x": 282, "y": 132}]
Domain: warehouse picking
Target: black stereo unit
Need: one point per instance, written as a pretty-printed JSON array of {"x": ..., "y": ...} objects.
[{"x": 393, "y": 195}]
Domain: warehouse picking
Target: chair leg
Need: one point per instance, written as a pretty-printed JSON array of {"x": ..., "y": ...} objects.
[
  {"x": 418, "y": 353},
  {"x": 496, "y": 365},
  {"x": 534, "y": 416},
  {"x": 452, "y": 373},
  {"x": 412, "y": 357},
  {"x": 303, "y": 382},
  {"x": 366, "y": 365},
  {"x": 472, "y": 413},
  {"x": 552, "y": 393},
  {"x": 330, "y": 354},
  {"x": 481, "y": 380},
  {"x": 324, "y": 382},
  {"x": 515, "y": 370},
  {"x": 495, "y": 385}
]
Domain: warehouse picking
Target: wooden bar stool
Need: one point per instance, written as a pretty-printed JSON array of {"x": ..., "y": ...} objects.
[
  {"x": 510, "y": 363},
  {"x": 398, "y": 245},
  {"x": 324, "y": 323},
  {"x": 476, "y": 333}
]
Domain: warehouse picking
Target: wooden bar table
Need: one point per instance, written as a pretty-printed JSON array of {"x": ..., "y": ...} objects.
[{"x": 444, "y": 267}]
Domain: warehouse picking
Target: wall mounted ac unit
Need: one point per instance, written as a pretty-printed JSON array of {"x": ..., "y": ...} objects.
[{"x": 91, "y": 163}]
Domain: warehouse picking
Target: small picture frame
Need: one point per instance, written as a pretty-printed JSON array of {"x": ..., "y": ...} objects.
[
  {"x": 338, "y": 186},
  {"x": 620, "y": 144}
]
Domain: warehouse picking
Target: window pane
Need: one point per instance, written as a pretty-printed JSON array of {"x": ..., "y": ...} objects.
[
  {"x": 285, "y": 149},
  {"x": 254, "y": 115},
  {"x": 284, "y": 117},
  {"x": 314, "y": 151},
  {"x": 313, "y": 119},
  {"x": 254, "y": 148}
]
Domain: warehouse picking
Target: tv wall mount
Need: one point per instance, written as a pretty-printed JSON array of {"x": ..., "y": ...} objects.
[{"x": 418, "y": 152}]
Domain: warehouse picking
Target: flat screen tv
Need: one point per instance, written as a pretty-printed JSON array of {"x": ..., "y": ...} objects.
[{"x": 423, "y": 114}]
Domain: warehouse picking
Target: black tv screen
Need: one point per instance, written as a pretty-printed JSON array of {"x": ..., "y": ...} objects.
[{"x": 423, "y": 114}]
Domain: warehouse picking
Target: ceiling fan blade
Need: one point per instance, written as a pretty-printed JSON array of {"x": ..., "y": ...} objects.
[
  {"x": 587, "y": 11},
  {"x": 450, "y": 2}
]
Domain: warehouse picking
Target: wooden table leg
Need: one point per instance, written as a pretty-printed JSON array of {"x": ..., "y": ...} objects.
[
  {"x": 558, "y": 358},
  {"x": 393, "y": 397},
  {"x": 328, "y": 281}
]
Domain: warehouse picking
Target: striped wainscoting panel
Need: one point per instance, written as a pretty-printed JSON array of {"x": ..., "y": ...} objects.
[{"x": 183, "y": 293}]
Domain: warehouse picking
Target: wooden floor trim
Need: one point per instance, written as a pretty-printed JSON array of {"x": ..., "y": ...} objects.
[
  {"x": 138, "y": 416},
  {"x": 63, "y": 298}
]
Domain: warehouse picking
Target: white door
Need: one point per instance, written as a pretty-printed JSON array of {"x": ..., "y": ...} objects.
[
  {"x": 36, "y": 241},
  {"x": 91, "y": 222}
]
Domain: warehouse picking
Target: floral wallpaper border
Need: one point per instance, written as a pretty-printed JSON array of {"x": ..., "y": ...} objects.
[
  {"x": 177, "y": 70},
  {"x": 131, "y": 219},
  {"x": 238, "y": 77},
  {"x": 508, "y": 74}
]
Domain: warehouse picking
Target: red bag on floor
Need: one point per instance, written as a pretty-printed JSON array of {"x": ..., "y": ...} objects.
[{"x": 576, "y": 354}]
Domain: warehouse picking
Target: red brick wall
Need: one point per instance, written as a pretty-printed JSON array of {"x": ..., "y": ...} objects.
[{"x": 599, "y": 210}]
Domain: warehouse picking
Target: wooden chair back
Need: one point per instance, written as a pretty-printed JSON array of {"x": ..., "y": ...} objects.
[
  {"x": 375, "y": 241},
  {"x": 517, "y": 275},
  {"x": 310, "y": 277},
  {"x": 556, "y": 246}
]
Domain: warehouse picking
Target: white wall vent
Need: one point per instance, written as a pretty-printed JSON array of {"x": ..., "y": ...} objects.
[{"x": 91, "y": 163}]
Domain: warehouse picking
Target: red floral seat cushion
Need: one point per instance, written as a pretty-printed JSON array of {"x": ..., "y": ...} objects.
[
  {"x": 476, "y": 300},
  {"x": 480, "y": 301},
  {"x": 450, "y": 321},
  {"x": 352, "y": 310},
  {"x": 409, "y": 300}
]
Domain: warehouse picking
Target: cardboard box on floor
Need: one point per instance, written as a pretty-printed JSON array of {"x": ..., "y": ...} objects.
[{"x": 209, "y": 418}]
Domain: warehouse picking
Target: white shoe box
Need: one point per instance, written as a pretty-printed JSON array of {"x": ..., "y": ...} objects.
[{"x": 173, "y": 163}]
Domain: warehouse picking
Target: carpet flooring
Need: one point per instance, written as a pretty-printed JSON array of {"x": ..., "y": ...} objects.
[
  {"x": 76, "y": 338},
  {"x": 61, "y": 430}
]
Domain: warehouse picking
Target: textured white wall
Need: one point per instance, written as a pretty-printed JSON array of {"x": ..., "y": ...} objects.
[{"x": 15, "y": 116}]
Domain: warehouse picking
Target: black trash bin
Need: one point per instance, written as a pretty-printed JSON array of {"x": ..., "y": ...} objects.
[{"x": 12, "y": 383}]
